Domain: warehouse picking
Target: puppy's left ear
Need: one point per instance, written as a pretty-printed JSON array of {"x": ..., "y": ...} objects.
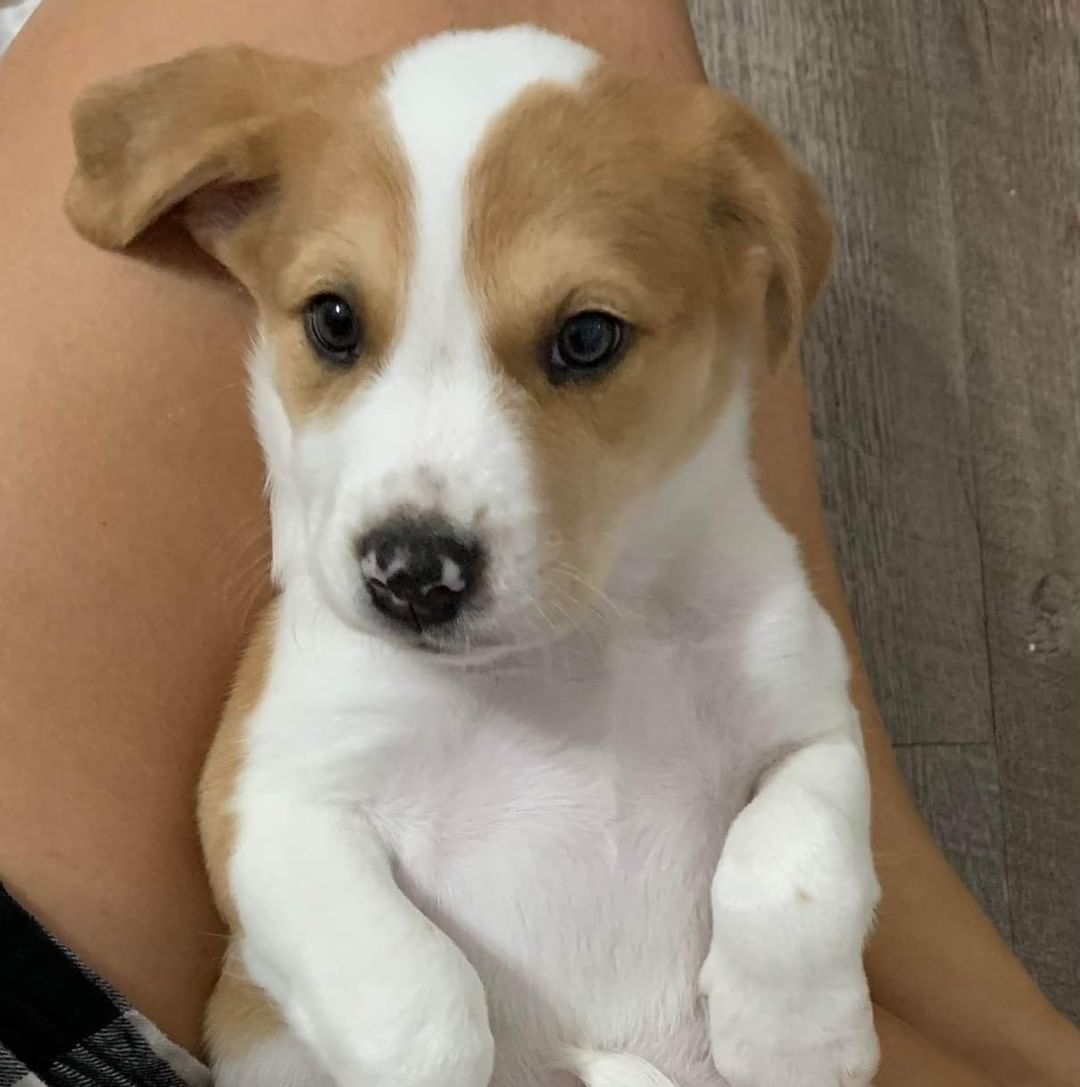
[
  {"x": 203, "y": 130},
  {"x": 767, "y": 205}
]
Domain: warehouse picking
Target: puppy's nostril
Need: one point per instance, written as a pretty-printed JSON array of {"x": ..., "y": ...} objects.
[{"x": 419, "y": 572}]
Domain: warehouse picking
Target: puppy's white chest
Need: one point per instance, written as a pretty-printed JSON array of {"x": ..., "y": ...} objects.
[{"x": 564, "y": 834}]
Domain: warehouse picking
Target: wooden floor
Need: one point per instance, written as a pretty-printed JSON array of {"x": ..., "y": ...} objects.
[{"x": 945, "y": 370}]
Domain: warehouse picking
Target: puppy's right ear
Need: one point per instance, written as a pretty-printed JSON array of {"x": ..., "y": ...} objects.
[
  {"x": 204, "y": 126},
  {"x": 764, "y": 201}
]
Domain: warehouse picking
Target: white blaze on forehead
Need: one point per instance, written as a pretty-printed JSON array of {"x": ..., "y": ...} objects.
[
  {"x": 439, "y": 407},
  {"x": 435, "y": 429},
  {"x": 443, "y": 95}
]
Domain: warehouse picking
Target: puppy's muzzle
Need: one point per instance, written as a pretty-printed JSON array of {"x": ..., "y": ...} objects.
[{"x": 419, "y": 572}]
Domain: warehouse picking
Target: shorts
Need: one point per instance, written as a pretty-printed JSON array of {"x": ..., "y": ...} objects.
[{"x": 61, "y": 1026}]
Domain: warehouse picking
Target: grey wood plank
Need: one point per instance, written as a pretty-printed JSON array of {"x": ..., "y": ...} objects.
[
  {"x": 1011, "y": 73},
  {"x": 956, "y": 786},
  {"x": 847, "y": 82}
]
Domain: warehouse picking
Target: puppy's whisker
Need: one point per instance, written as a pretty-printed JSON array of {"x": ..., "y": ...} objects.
[
  {"x": 598, "y": 602},
  {"x": 596, "y": 630},
  {"x": 547, "y": 644},
  {"x": 259, "y": 592},
  {"x": 567, "y": 570},
  {"x": 245, "y": 583},
  {"x": 199, "y": 401},
  {"x": 543, "y": 615},
  {"x": 247, "y": 532}
]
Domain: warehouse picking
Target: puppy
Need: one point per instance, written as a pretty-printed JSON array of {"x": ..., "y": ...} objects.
[{"x": 541, "y": 767}]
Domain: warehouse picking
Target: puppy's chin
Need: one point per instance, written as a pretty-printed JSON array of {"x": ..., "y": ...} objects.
[
  {"x": 473, "y": 639},
  {"x": 470, "y": 643}
]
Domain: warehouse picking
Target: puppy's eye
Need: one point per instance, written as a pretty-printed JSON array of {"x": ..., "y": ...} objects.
[
  {"x": 586, "y": 345},
  {"x": 333, "y": 328}
]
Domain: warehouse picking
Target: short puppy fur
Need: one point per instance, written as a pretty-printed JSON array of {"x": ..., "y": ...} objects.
[{"x": 541, "y": 767}]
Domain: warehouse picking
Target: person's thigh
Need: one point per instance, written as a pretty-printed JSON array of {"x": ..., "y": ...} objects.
[
  {"x": 133, "y": 543},
  {"x": 909, "y": 1059}
]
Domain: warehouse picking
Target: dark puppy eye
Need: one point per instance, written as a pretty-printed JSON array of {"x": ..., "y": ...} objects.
[
  {"x": 333, "y": 329},
  {"x": 585, "y": 345}
]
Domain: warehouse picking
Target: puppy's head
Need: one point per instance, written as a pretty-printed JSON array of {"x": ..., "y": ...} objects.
[{"x": 504, "y": 293}]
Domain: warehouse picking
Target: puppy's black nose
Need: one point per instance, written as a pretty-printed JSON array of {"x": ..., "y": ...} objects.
[{"x": 419, "y": 572}]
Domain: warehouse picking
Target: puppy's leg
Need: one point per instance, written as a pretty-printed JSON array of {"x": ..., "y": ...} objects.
[
  {"x": 250, "y": 1045},
  {"x": 793, "y": 898},
  {"x": 363, "y": 978}
]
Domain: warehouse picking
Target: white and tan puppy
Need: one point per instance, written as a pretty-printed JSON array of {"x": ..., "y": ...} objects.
[{"x": 541, "y": 768}]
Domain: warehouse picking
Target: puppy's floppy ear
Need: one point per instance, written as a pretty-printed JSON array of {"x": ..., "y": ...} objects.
[
  {"x": 204, "y": 126},
  {"x": 765, "y": 200}
]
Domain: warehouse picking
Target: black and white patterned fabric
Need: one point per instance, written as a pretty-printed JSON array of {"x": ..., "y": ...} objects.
[{"x": 60, "y": 1026}]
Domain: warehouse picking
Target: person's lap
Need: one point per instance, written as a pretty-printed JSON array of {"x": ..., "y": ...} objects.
[{"x": 134, "y": 544}]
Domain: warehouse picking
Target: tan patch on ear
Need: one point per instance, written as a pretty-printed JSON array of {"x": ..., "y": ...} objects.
[
  {"x": 146, "y": 140},
  {"x": 764, "y": 197}
]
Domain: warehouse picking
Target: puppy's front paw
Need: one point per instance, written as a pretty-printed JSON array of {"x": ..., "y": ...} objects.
[
  {"x": 424, "y": 1028},
  {"x": 766, "y": 1036}
]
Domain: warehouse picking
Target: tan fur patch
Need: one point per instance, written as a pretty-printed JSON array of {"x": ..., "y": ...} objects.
[
  {"x": 672, "y": 207},
  {"x": 239, "y": 1013},
  {"x": 146, "y": 140},
  {"x": 217, "y": 822}
]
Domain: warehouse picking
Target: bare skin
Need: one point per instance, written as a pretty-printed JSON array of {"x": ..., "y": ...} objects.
[{"x": 134, "y": 546}]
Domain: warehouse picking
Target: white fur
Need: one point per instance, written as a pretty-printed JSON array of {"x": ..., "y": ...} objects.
[
  {"x": 613, "y": 1069},
  {"x": 282, "y": 1059},
  {"x": 517, "y": 871}
]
